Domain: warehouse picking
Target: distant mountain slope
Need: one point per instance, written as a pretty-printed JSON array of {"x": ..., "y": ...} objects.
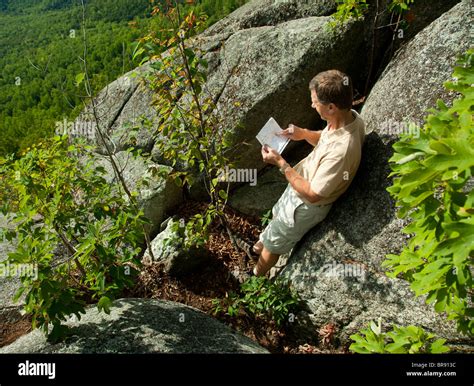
[
  {"x": 112, "y": 10},
  {"x": 40, "y": 46},
  {"x": 40, "y": 49}
]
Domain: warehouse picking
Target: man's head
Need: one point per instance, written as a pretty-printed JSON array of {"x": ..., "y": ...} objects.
[{"x": 331, "y": 92}]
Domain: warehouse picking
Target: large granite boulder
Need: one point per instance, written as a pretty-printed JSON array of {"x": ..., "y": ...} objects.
[
  {"x": 336, "y": 267},
  {"x": 258, "y": 83},
  {"x": 264, "y": 71},
  {"x": 259, "y": 13},
  {"x": 261, "y": 59},
  {"x": 413, "y": 80},
  {"x": 388, "y": 36},
  {"x": 168, "y": 249},
  {"x": 140, "y": 326},
  {"x": 123, "y": 113}
]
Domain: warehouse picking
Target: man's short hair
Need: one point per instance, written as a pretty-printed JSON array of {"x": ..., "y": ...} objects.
[{"x": 333, "y": 86}]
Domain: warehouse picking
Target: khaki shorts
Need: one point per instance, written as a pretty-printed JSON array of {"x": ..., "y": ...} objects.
[{"x": 292, "y": 218}]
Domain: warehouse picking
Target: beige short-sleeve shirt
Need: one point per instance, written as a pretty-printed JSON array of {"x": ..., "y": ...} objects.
[{"x": 333, "y": 163}]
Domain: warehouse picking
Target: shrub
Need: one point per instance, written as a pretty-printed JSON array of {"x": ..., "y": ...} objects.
[
  {"x": 400, "y": 340},
  {"x": 74, "y": 227},
  {"x": 431, "y": 174},
  {"x": 189, "y": 119},
  {"x": 262, "y": 298}
]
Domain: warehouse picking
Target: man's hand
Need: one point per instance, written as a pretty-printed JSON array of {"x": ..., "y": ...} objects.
[
  {"x": 293, "y": 132},
  {"x": 271, "y": 156}
]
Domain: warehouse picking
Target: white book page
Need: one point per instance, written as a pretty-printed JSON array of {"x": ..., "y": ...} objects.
[{"x": 268, "y": 136}]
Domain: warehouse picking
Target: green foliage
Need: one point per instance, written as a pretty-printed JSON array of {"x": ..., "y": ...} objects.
[
  {"x": 39, "y": 54},
  {"x": 194, "y": 232},
  {"x": 188, "y": 117},
  {"x": 111, "y": 10},
  {"x": 186, "y": 235},
  {"x": 399, "y": 6},
  {"x": 40, "y": 43},
  {"x": 266, "y": 218},
  {"x": 262, "y": 298},
  {"x": 400, "y": 340},
  {"x": 73, "y": 226},
  {"x": 430, "y": 187},
  {"x": 355, "y": 9},
  {"x": 347, "y": 9}
]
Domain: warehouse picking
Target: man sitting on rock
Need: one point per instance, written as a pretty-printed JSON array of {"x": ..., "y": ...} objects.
[{"x": 320, "y": 178}]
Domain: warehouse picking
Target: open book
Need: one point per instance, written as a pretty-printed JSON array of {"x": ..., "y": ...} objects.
[{"x": 268, "y": 136}]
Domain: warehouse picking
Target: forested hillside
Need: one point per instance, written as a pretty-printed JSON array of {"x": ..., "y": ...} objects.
[{"x": 40, "y": 48}]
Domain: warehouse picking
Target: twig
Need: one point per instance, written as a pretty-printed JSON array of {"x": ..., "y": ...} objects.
[
  {"x": 117, "y": 173},
  {"x": 236, "y": 241}
]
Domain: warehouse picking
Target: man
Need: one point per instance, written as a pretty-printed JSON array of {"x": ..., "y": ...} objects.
[{"x": 320, "y": 178}]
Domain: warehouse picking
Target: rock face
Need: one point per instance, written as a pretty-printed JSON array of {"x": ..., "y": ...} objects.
[
  {"x": 157, "y": 197},
  {"x": 121, "y": 106},
  {"x": 8, "y": 285},
  {"x": 413, "y": 80},
  {"x": 264, "y": 71},
  {"x": 175, "y": 259},
  {"x": 337, "y": 266},
  {"x": 261, "y": 58},
  {"x": 259, "y": 13},
  {"x": 141, "y": 326}
]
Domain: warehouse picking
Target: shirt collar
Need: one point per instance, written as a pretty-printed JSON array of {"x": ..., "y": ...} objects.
[{"x": 342, "y": 131}]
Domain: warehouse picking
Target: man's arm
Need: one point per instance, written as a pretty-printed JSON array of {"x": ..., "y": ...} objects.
[
  {"x": 296, "y": 133},
  {"x": 299, "y": 184},
  {"x": 312, "y": 137}
]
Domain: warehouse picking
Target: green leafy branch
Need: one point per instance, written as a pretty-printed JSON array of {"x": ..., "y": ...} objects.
[
  {"x": 430, "y": 185},
  {"x": 400, "y": 340},
  {"x": 355, "y": 9},
  {"x": 262, "y": 298},
  {"x": 347, "y": 9},
  {"x": 189, "y": 135},
  {"x": 73, "y": 226}
]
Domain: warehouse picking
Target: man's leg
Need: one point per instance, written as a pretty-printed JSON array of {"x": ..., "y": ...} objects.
[
  {"x": 266, "y": 261},
  {"x": 258, "y": 247}
]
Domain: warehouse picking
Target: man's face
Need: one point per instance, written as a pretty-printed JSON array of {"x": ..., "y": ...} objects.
[{"x": 323, "y": 110}]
